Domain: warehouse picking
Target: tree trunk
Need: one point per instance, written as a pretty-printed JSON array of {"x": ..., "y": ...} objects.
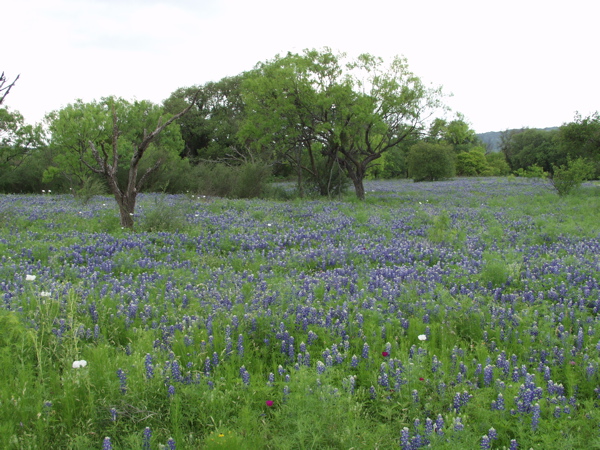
[
  {"x": 126, "y": 209},
  {"x": 359, "y": 187}
]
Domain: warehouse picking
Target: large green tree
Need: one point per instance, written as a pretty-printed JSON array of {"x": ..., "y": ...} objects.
[
  {"x": 101, "y": 136},
  {"x": 531, "y": 147},
  {"x": 209, "y": 129},
  {"x": 18, "y": 141},
  {"x": 581, "y": 139},
  {"x": 318, "y": 106}
]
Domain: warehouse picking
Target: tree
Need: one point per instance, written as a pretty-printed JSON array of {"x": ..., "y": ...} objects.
[
  {"x": 17, "y": 139},
  {"x": 531, "y": 147},
  {"x": 209, "y": 129},
  {"x": 472, "y": 163},
  {"x": 347, "y": 114},
  {"x": 4, "y": 87},
  {"x": 97, "y": 136},
  {"x": 581, "y": 139},
  {"x": 431, "y": 162}
]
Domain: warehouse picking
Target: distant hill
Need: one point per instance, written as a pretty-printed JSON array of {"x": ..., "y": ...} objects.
[{"x": 492, "y": 138}]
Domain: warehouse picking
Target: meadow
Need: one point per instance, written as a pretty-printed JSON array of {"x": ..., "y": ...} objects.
[{"x": 453, "y": 315}]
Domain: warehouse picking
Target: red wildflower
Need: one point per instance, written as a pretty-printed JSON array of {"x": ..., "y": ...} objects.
[
  {"x": 384, "y": 354},
  {"x": 269, "y": 402},
  {"x": 421, "y": 379}
]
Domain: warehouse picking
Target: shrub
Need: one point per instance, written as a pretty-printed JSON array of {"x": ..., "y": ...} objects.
[
  {"x": 162, "y": 216},
  {"x": 531, "y": 172},
  {"x": 472, "y": 163},
  {"x": 91, "y": 187},
  {"x": 497, "y": 164},
  {"x": 329, "y": 180},
  {"x": 220, "y": 180},
  {"x": 250, "y": 180},
  {"x": 567, "y": 178},
  {"x": 430, "y": 162}
]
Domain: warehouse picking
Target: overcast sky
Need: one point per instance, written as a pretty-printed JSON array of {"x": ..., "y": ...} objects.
[{"x": 508, "y": 64}]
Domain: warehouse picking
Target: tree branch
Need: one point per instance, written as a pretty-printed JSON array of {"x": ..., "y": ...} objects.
[{"x": 5, "y": 90}]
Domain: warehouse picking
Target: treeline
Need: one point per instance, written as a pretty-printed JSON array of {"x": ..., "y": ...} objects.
[{"x": 318, "y": 118}]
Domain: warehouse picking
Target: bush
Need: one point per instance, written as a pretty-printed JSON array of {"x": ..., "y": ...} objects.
[
  {"x": 163, "y": 216},
  {"x": 220, "y": 180},
  {"x": 567, "y": 178},
  {"x": 497, "y": 164},
  {"x": 472, "y": 163},
  {"x": 329, "y": 180},
  {"x": 531, "y": 172},
  {"x": 430, "y": 162},
  {"x": 91, "y": 187}
]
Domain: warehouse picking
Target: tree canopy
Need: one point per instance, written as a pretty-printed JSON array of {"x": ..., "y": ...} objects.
[
  {"x": 316, "y": 105},
  {"x": 100, "y": 135}
]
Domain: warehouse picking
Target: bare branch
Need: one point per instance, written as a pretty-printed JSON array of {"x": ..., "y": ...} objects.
[
  {"x": 4, "y": 90},
  {"x": 149, "y": 171}
]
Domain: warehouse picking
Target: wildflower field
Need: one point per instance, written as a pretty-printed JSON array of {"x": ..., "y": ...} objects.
[{"x": 460, "y": 314}]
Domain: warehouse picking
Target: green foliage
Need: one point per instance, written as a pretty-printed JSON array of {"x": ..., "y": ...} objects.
[
  {"x": 220, "y": 180},
  {"x": 473, "y": 163},
  {"x": 430, "y": 162},
  {"x": 391, "y": 165},
  {"x": 91, "y": 186},
  {"x": 79, "y": 123},
  {"x": 328, "y": 180},
  {"x": 531, "y": 147},
  {"x": 497, "y": 164},
  {"x": 441, "y": 230},
  {"x": 581, "y": 139},
  {"x": 568, "y": 178},
  {"x": 209, "y": 129},
  {"x": 531, "y": 172},
  {"x": 316, "y": 105},
  {"x": 162, "y": 216}
]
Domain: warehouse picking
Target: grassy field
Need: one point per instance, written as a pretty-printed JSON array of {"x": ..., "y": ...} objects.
[{"x": 460, "y": 314}]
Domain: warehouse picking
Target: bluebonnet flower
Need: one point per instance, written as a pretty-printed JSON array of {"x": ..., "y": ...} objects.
[
  {"x": 113, "y": 414},
  {"x": 106, "y": 444},
  {"x": 498, "y": 404},
  {"x": 493, "y": 434},
  {"x": 148, "y": 365},
  {"x": 485, "y": 442},
  {"x": 245, "y": 375},
  {"x": 354, "y": 361},
  {"x": 365, "y": 351},
  {"x": 513, "y": 444},
  {"x": 320, "y": 367},
  {"x": 439, "y": 425},
  {"x": 171, "y": 390},
  {"x": 428, "y": 426},
  {"x": 405, "y": 439},
  {"x": 122, "y": 380},
  {"x": 146, "y": 438},
  {"x": 415, "y": 396},
  {"x": 488, "y": 375},
  {"x": 557, "y": 412},
  {"x": 373, "y": 392},
  {"x": 176, "y": 371},
  {"x": 171, "y": 443},
  {"x": 240, "y": 345},
  {"x": 458, "y": 425},
  {"x": 535, "y": 418}
]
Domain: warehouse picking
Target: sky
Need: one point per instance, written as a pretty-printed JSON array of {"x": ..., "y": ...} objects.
[{"x": 507, "y": 64}]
